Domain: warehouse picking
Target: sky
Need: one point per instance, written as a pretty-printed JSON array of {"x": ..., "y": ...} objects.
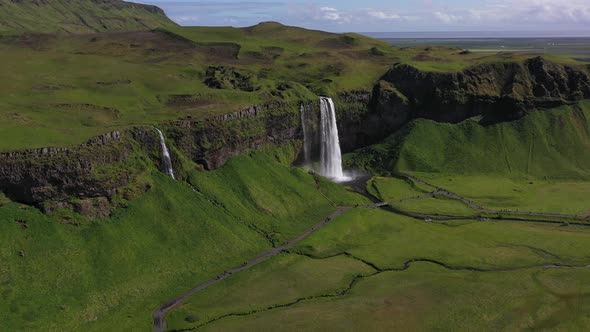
[{"x": 555, "y": 16}]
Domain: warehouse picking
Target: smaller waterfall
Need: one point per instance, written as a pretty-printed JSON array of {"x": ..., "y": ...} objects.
[
  {"x": 306, "y": 136},
  {"x": 166, "y": 155},
  {"x": 331, "y": 156}
]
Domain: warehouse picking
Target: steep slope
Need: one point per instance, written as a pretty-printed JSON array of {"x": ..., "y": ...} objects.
[
  {"x": 553, "y": 143},
  {"x": 78, "y": 16},
  {"x": 64, "y": 272}
]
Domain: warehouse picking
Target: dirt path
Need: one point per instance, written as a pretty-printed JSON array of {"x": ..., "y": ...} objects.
[
  {"x": 446, "y": 193},
  {"x": 160, "y": 313}
]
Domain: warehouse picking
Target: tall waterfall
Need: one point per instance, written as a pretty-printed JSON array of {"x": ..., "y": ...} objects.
[
  {"x": 166, "y": 155},
  {"x": 307, "y": 139},
  {"x": 331, "y": 156}
]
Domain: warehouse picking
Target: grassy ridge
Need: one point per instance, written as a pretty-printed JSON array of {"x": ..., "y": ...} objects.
[
  {"x": 80, "y": 16},
  {"x": 60, "y": 272},
  {"x": 550, "y": 144}
]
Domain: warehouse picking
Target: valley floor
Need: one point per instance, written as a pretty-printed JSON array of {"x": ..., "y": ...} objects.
[{"x": 455, "y": 265}]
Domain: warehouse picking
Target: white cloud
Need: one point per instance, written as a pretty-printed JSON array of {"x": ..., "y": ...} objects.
[
  {"x": 519, "y": 12},
  {"x": 447, "y": 18},
  {"x": 424, "y": 14},
  {"x": 334, "y": 15},
  {"x": 384, "y": 16}
]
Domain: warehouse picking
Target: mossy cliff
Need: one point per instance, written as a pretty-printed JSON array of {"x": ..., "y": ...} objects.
[
  {"x": 89, "y": 178},
  {"x": 211, "y": 142},
  {"x": 497, "y": 92},
  {"x": 108, "y": 170}
]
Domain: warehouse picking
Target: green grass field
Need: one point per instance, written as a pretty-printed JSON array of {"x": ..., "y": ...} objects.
[
  {"x": 423, "y": 297},
  {"x": 63, "y": 272},
  {"x": 518, "y": 194},
  {"x": 394, "y": 189},
  {"x": 427, "y": 297},
  {"x": 437, "y": 206}
]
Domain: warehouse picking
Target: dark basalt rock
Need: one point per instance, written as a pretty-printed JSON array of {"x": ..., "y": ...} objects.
[
  {"x": 498, "y": 91},
  {"x": 51, "y": 177},
  {"x": 211, "y": 142}
]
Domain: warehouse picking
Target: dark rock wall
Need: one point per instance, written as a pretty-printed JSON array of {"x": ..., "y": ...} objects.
[
  {"x": 211, "y": 142},
  {"x": 495, "y": 91}
]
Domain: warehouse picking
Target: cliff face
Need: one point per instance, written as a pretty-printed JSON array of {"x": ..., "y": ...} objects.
[
  {"x": 86, "y": 178},
  {"x": 92, "y": 177},
  {"x": 211, "y": 142},
  {"x": 497, "y": 91}
]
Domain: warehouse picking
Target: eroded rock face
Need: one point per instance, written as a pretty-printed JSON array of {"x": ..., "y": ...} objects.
[
  {"x": 498, "y": 91},
  {"x": 84, "y": 178},
  {"x": 33, "y": 176},
  {"x": 211, "y": 142}
]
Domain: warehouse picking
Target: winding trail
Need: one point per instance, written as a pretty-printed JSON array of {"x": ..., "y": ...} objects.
[
  {"x": 439, "y": 191},
  {"x": 160, "y": 313}
]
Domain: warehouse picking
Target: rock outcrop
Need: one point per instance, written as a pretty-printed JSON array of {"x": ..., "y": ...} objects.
[
  {"x": 220, "y": 77},
  {"x": 211, "y": 142},
  {"x": 85, "y": 178},
  {"x": 497, "y": 92}
]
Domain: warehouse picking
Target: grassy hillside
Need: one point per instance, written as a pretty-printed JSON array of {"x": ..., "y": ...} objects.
[
  {"x": 61, "y": 89},
  {"x": 63, "y": 272},
  {"x": 551, "y": 144},
  {"x": 79, "y": 16}
]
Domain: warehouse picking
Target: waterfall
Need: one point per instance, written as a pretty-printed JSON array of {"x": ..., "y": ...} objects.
[
  {"x": 331, "y": 156},
  {"x": 166, "y": 155},
  {"x": 306, "y": 136}
]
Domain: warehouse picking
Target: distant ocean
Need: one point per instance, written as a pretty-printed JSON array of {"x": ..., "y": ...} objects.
[
  {"x": 477, "y": 34},
  {"x": 573, "y": 45}
]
